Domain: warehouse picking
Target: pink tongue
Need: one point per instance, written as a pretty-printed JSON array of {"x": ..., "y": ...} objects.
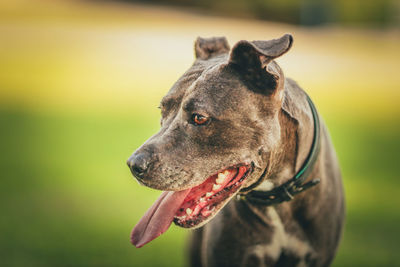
[{"x": 158, "y": 218}]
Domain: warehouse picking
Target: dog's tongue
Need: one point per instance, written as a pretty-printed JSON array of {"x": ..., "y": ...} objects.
[{"x": 158, "y": 218}]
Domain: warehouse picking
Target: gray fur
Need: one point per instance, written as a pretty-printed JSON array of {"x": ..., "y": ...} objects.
[{"x": 259, "y": 117}]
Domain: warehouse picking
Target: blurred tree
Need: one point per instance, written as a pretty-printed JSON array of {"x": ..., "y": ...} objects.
[
  {"x": 380, "y": 13},
  {"x": 277, "y": 10},
  {"x": 315, "y": 12},
  {"x": 366, "y": 12}
]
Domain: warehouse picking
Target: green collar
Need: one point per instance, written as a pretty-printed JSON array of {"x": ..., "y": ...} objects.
[{"x": 295, "y": 185}]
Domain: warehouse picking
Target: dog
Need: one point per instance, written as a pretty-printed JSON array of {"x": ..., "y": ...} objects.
[{"x": 245, "y": 161}]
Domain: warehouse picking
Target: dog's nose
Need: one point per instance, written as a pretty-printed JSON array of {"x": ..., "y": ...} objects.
[{"x": 138, "y": 164}]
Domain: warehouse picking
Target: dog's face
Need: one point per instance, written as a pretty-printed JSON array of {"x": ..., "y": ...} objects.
[{"x": 219, "y": 124}]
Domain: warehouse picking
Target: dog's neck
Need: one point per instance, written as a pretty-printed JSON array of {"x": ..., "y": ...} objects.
[{"x": 297, "y": 127}]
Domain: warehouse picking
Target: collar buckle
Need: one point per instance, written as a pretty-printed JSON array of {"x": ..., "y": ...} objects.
[{"x": 287, "y": 196}]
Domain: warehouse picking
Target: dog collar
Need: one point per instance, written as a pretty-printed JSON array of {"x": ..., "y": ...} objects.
[{"x": 295, "y": 185}]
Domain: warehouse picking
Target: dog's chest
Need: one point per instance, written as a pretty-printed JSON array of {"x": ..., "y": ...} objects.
[{"x": 253, "y": 241}]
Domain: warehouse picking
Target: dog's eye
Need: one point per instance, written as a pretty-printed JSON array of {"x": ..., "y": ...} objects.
[{"x": 198, "y": 119}]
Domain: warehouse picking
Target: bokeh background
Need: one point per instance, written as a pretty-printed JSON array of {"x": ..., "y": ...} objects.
[{"x": 80, "y": 83}]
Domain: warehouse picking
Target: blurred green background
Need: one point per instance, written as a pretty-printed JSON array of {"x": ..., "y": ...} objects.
[{"x": 79, "y": 85}]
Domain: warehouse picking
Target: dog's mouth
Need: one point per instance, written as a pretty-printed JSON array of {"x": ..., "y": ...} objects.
[
  {"x": 191, "y": 207},
  {"x": 205, "y": 200}
]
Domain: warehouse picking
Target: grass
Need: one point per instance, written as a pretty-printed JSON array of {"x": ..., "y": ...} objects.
[
  {"x": 79, "y": 87},
  {"x": 68, "y": 197}
]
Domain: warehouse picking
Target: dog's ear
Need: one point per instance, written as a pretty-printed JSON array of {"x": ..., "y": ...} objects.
[
  {"x": 253, "y": 60},
  {"x": 206, "y": 48}
]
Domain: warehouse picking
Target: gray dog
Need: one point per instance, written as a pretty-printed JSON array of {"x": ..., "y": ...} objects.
[{"x": 242, "y": 151}]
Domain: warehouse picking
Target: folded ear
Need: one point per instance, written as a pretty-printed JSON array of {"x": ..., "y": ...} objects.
[
  {"x": 253, "y": 60},
  {"x": 206, "y": 48}
]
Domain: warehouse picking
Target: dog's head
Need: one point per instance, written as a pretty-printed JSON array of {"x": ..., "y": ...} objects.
[{"x": 219, "y": 125}]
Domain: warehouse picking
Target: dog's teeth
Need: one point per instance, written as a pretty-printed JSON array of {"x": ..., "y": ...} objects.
[
  {"x": 208, "y": 194},
  {"x": 181, "y": 218},
  {"x": 216, "y": 187},
  {"x": 221, "y": 178},
  {"x": 188, "y": 211},
  {"x": 222, "y": 174}
]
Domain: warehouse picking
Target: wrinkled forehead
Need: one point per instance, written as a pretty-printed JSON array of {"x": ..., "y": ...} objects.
[
  {"x": 218, "y": 89},
  {"x": 193, "y": 76}
]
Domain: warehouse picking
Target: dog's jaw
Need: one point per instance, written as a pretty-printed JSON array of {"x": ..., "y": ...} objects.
[{"x": 207, "y": 199}]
